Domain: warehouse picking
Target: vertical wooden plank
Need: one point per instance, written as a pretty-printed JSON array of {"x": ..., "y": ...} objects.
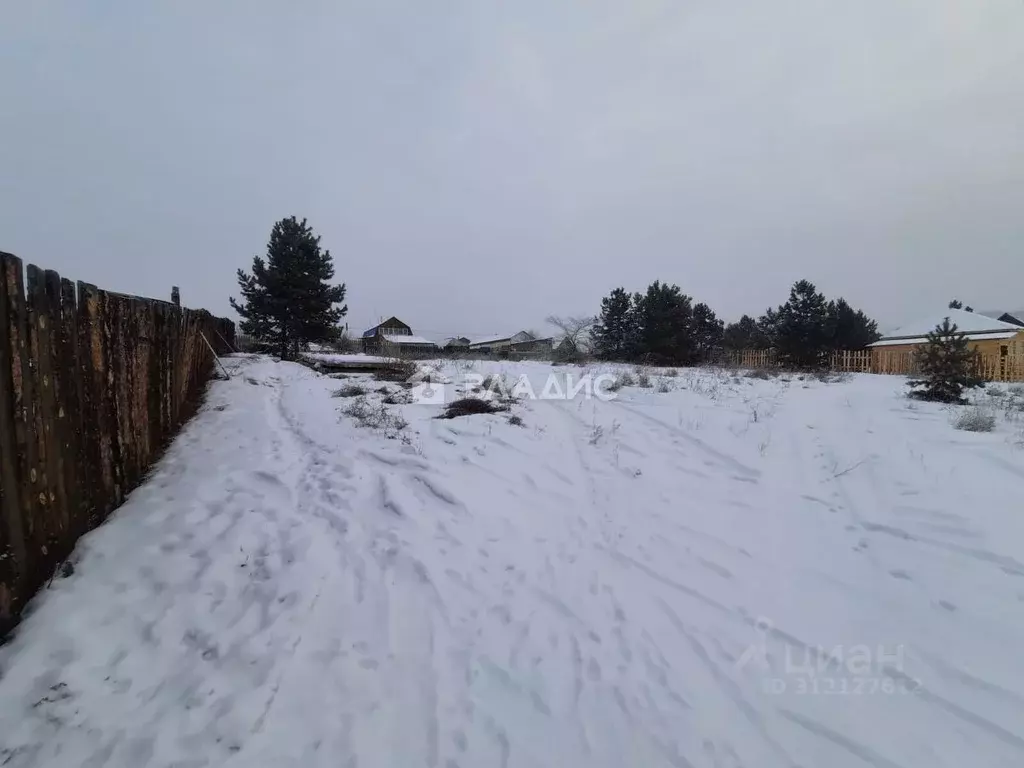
[
  {"x": 40, "y": 327},
  {"x": 93, "y": 370},
  {"x": 13, "y": 544},
  {"x": 59, "y": 452},
  {"x": 163, "y": 334},
  {"x": 109, "y": 449},
  {"x": 152, "y": 393},
  {"x": 144, "y": 422},
  {"x": 71, "y": 393},
  {"x": 114, "y": 333}
]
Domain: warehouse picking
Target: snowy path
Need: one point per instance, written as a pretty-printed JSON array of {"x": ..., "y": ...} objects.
[{"x": 644, "y": 582}]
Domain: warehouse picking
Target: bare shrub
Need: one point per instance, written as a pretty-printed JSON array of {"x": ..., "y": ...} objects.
[
  {"x": 672, "y": 372},
  {"x": 377, "y": 417},
  {"x": 497, "y": 385},
  {"x": 664, "y": 387},
  {"x": 759, "y": 373},
  {"x": 397, "y": 371},
  {"x": 470, "y": 406},
  {"x": 643, "y": 379},
  {"x": 832, "y": 377},
  {"x": 349, "y": 390},
  {"x": 622, "y": 379},
  {"x": 397, "y": 398},
  {"x": 516, "y": 420},
  {"x": 1017, "y": 390},
  {"x": 975, "y": 419}
]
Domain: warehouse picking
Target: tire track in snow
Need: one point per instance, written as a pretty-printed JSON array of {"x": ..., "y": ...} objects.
[
  {"x": 727, "y": 685},
  {"x": 723, "y": 459},
  {"x": 855, "y": 748}
]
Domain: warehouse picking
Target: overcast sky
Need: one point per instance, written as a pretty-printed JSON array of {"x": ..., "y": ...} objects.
[{"x": 475, "y": 165}]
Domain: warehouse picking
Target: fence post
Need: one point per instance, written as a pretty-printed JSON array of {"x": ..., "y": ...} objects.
[{"x": 175, "y": 296}]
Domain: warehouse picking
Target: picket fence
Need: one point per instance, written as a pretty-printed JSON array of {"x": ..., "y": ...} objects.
[{"x": 883, "y": 361}]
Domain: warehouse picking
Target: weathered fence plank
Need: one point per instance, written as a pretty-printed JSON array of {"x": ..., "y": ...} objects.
[
  {"x": 13, "y": 545},
  {"x": 70, "y": 415},
  {"x": 90, "y": 358},
  {"x": 26, "y": 449}
]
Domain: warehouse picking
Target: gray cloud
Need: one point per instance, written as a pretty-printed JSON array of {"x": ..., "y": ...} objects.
[{"x": 475, "y": 166}]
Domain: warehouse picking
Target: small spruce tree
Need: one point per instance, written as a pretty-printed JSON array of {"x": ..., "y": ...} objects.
[
  {"x": 288, "y": 300},
  {"x": 947, "y": 366}
]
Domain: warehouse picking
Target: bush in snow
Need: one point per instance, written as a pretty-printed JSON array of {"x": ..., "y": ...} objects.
[
  {"x": 516, "y": 421},
  {"x": 831, "y": 377},
  {"x": 643, "y": 379},
  {"x": 377, "y": 417},
  {"x": 349, "y": 390},
  {"x": 623, "y": 379},
  {"x": 397, "y": 398},
  {"x": 397, "y": 371},
  {"x": 975, "y": 420},
  {"x": 664, "y": 387},
  {"x": 470, "y": 406}
]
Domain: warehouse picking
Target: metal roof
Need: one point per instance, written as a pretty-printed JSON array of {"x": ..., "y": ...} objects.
[
  {"x": 924, "y": 339},
  {"x": 966, "y": 322}
]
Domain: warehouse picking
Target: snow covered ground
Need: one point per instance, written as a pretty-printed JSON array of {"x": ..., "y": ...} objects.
[{"x": 734, "y": 572}]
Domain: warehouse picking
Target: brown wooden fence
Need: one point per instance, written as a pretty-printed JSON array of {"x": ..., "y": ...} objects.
[
  {"x": 93, "y": 384},
  {"x": 897, "y": 362}
]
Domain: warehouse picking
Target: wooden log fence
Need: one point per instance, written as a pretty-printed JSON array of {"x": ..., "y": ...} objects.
[{"x": 93, "y": 385}]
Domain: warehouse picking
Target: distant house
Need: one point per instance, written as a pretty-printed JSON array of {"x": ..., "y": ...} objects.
[
  {"x": 990, "y": 336},
  {"x": 395, "y": 337},
  {"x": 523, "y": 342},
  {"x": 456, "y": 342},
  {"x": 1013, "y": 316}
]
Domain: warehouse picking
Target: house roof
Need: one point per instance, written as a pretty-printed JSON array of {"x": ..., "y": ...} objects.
[
  {"x": 491, "y": 340},
  {"x": 386, "y": 323},
  {"x": 923, "y": 339},
  {"x": 507, "y": 337},
  {"x": 974, "y": 324},
  {"x": 998, "y": 314},
  {"x": 406, "y": 339}
]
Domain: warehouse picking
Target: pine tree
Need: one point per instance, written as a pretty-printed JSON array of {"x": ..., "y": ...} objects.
[
  {"x": 288, "y": 300},
  {"x": 948, "y": 366},
  {"x": 744, "y": 334},
  {"x": 768, "y": 324},
  {"x": 664, "y": 325},
  {"x": 802, "y": 334},
  {"x": 614, "y": 332},
  {"x": 850, "y": 328},
  {"x": 707, "y": 333},
  {"x": 956, "y": 304}
]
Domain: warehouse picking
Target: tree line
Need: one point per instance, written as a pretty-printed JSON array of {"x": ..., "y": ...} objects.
[
  {"x": 288, "y": 300},
  {"x": 664, "y": 326}
]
